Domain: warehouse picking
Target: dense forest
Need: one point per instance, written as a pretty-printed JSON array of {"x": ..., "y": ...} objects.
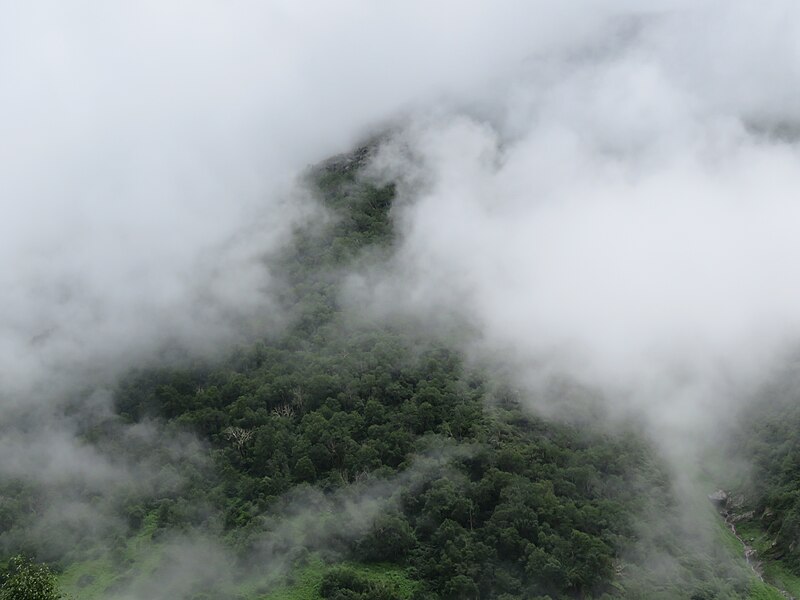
[{"x": 348, "y": 458}]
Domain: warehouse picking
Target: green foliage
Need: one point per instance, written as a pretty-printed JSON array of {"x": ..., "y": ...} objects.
[
  {"x": 763, "y": 591},
  {"x": 25, "y": 580},
  {"x": 390, "y": 540}
]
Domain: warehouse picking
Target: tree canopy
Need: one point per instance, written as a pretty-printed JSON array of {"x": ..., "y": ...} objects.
[{"x": 24, "y": 579}]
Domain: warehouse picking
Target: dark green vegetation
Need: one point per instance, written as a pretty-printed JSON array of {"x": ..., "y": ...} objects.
[
  {"x": 348, "y": 459},
  {"x": 519, "y": 506}
]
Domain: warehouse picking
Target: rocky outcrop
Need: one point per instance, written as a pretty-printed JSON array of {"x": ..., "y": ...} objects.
[
  {"x": 719, "y": 498},
  {"x": 744, "y": 516}
]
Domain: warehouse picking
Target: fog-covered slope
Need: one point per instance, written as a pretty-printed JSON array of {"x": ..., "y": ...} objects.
[{"x": 374, "y": 445}]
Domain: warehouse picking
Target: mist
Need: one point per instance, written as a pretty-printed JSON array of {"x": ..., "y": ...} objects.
[
  {"x": 150, "y": 152},
  {"x": 150, "y": 159},
  {"x": 623, "y": 216},
  {"x": 604, "y": 193}
]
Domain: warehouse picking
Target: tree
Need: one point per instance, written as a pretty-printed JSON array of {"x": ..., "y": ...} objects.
[
  {"x": 390, "y": 540},
  {"x": 304, "y": 470},
  {"x": 461, "y": 587},
  {"x": 26, "y": 580},
  {"x": 239, "y": 437}
]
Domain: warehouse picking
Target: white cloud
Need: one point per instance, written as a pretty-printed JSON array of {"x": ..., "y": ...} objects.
[{"x": 626, "y": 215}]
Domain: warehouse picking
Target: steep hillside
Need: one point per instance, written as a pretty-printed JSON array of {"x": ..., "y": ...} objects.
[{"x": 349, "y": 458}]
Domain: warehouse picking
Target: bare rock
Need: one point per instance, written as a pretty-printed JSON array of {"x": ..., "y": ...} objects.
[
  {"x": 737, "y": 501},
  {"x": 742, "y": 516},
  {"x": 719, "y": 498}
]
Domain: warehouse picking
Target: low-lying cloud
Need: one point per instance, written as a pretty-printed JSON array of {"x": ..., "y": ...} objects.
[
  {"x": 625, "y": 215},
  {"x": 150, "y": 151}
]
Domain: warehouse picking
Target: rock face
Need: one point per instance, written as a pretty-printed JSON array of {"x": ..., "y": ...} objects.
[
  {"x": 719, "y": 498},
  {"x": 745, "y": 516},
  {"x": 736, "y": 502},
  {"x": 727, "y": 503}
]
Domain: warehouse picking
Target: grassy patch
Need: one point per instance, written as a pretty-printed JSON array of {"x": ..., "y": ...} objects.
[
  {"x": 393, "y": 576},
  {"x": 775, "y": 573},
  {"x": 304, "y": 584},
  {"x": 729, "y": 540},
  {"x": 88, "y": 579},
  {"x": 758, "y": 589},
  {"x": 764, "y": 591},
  {"x": 92, "y": 579}
]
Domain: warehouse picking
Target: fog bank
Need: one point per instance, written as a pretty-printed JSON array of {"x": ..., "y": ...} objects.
[{"x": 624, "y": 214}]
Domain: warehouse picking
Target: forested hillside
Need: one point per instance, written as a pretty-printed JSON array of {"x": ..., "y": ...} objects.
[{"x": 345, "y": 458}]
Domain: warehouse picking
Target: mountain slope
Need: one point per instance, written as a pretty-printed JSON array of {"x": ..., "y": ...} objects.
[{"x": 344, "y": 440}]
